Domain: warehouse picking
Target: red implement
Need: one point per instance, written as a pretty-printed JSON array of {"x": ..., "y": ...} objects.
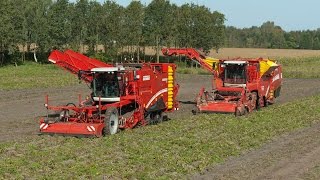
[
  {"x": 240, "y": 85},
  {"x": 75, "y": 62},
  {"x": 123, "y": 96}
]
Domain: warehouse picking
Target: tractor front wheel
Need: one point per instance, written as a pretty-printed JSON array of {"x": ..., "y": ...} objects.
[{"x": 111, "y": 121}]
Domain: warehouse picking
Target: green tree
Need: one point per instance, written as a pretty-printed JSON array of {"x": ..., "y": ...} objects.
[
  {"x": 158, "y": 23},
  {"x": 59, "y": 24},
  {"x": 79, "y": 23},
  {"x": 217, "y": 28},
  {"x": 35, "y": 26},
  {"x": 184, "y": 25},
  {"x": 133, "y": 24},
  {"x": 93, "y": 38},
  {"x": 50, "y": 24},
  {"x": 6, "y": 29},
  {"x": 111, "y": 27}
]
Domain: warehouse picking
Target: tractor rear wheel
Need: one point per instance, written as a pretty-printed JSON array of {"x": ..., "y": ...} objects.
[{"x": 111, "y": 121}]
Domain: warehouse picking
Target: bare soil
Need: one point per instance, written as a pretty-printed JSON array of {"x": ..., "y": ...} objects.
[{"x": 287, "y": 156}]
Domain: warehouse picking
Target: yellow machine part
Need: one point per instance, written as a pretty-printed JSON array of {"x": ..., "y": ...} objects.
[
  {"x": 266, "y": 66},
  {"x": 212, "y": 62},
  {"x": 170, "y": 87}
]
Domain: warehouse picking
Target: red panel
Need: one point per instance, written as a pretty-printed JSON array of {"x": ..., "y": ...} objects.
[
  {"x": 75, "y": 62},
  {"x": 92, "y": 63},
  {"x": 72, "y": 128},
  {"x": 221, "y": 107}
]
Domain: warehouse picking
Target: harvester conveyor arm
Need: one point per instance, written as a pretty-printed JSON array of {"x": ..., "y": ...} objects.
[
  {"x": 193, "y": 54},
  {"x": 75, "y": 63}
]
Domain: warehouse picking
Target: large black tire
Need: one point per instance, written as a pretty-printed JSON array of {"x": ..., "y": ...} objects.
[
  {"x": 255, "y": 100},
  {"x": 265, "y": 102},
  {"x": 237, "y": 113},
  {"x": 259, "y": 103},
  {"x": 277, "y": 92},
  {"x": 155, "y": 118},
  {"x": 111, "y": 121}
]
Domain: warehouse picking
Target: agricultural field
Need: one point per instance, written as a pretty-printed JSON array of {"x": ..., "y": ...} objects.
[
  {"x": 265, "y": 53},
  {"x": 275, "y": 142},
  {"x": 226, "y": 53}
]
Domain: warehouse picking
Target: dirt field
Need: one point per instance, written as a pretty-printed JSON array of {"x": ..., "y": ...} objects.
[{"x": 285, "y": 156}]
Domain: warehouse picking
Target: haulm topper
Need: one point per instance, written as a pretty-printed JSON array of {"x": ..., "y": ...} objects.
[
  {"x": 240, "y": 85},
  {"x": 123, "y": 96}
]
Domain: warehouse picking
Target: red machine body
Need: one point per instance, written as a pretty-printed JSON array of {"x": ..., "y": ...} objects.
[
  {"x": 123, "y": 96},
  {"x": 240, "y": 85}
]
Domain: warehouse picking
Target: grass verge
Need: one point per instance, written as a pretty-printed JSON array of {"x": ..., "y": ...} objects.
[
  {"x": 33, "y": 75},
  {"x": 168, "y": 150}
]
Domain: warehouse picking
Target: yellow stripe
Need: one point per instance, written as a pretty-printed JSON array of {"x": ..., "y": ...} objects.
[{"x": 170, "y": 87}]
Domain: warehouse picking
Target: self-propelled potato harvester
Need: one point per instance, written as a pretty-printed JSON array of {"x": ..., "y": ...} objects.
[
  {"x": 123, "y": 96},
  {"x": 240, "y": 85}
]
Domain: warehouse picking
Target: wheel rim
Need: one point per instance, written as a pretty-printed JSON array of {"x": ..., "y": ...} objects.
[
  {"x": 64, "y": 115},
  {"x": 113, "y": 124},
  {"x": 158, "y": 118}
]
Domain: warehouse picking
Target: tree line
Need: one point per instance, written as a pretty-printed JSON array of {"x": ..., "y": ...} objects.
[
  {"x": 269, "y": 35},
  {"x": 38, "y": 26}
]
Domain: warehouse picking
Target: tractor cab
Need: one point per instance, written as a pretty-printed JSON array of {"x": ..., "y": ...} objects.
[
  {"x": 106, "y": 84},
  {"x": 234, "y": 73}
]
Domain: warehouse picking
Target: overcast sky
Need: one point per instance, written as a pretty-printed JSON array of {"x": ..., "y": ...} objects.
[{"x": 289, "y": 14}]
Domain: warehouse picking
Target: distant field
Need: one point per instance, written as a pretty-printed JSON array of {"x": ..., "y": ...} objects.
[
  {"x": 255, "y": 52},
  {"x": 266, "y": 53}
]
